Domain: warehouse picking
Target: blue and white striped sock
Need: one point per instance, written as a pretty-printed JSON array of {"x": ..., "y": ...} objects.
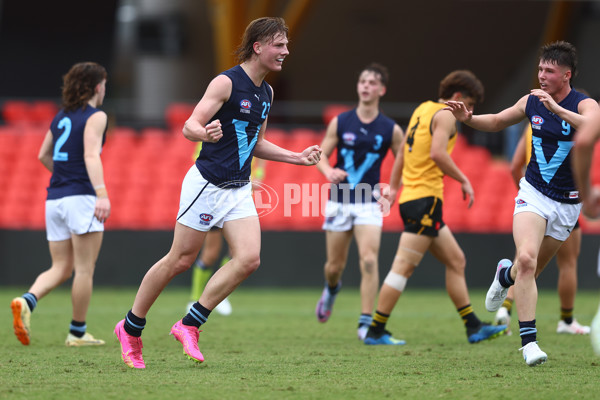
[
  {"x": 31, "y": 300},
  {"x": 365, "y": 319},
  {"x": 528, "y": 332},
  {"x": 77, "y": 328},
  {"x": 134, "y": 324},
  {"x": 197, "y": 315}
]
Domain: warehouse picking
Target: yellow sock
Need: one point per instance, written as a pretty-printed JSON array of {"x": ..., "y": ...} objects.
[{"x": 200, "y": 277}]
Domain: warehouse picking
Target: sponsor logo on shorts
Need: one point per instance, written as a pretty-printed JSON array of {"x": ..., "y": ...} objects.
[
  {"x": 205, "y": 219},
  {"x": 521, "y": 203},
  {"x": 537, "y": 122}
]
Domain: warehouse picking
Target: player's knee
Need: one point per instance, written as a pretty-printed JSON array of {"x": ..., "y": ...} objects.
[
  {"x": 395, "y": 281},
  {"x": 210, "y": 259},
  {"x": 182, "y": 264},
  {"x": 66, "y": 275},
  {"x": 335, "y": 266},
  {"x": 458, "y": 264},
  {"x": 527, "y": 263},
  {"x": 249, "y": 264},
  {"x": 368, "y": 264},
  {"x": 64, "y": 272},
  {"x": 406, "y": 260}
]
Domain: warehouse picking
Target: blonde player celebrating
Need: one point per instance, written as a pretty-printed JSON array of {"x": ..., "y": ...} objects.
[{"x": 230, "y": 119}]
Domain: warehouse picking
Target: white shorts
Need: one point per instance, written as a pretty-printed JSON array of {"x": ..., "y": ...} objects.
[
  {"x": 560, "y": 217},
  {"x": 71, "y": 215},
  {"x": 341, "y": 217},
  {"x": 203, "y": 205}
]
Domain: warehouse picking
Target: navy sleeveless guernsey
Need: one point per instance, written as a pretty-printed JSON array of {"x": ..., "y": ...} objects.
[
  {"x": 69, "y": 176},
  {"x": 549, "y": 169},
  {"x": 227, "y": 162},
  {"x": 360, "y": 150}
]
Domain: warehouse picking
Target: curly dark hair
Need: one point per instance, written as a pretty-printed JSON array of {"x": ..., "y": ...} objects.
[
  {"x": 560, "y": 53},
  {"x": 462, "y": 81},
  {"x": 79, "y": 84},
  {"x": 265, "y": 28}
]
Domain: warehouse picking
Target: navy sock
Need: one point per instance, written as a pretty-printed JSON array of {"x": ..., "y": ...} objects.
[
  {"x": 528, "y": 332},
  {"x": 504, "y": 277},
  {"x": 77, "y": 328},
  {"x": 31, "y": 300},
  {"x": 335, "y": 289},
  {"x": 134, "y": 324},
  {"x": 197, "y": 315}
]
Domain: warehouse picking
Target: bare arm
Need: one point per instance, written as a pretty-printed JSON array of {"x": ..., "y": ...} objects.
[
  {"x": 197, "y": 127},
  {"x": 397, "y": 140},
  {"x": 270, "y": 151},
  {"x": 585, "y": 108},
  {"x": 330, "y": 141},
  {"x": 489, "y": 122},
  {"x": 398, "y": 143},
  {"x": 519, "y": 160},
  {"x": 443, "y": 126},
  {"x": 92, "y": 145},
  {"x": 583, "y": 151},
  {"x": 45, "y": 154}
]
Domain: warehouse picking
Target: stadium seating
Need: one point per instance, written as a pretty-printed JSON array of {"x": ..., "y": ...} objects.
[
  {"x": 176, "y": 114},
  {"x": 144, "y": 170}
]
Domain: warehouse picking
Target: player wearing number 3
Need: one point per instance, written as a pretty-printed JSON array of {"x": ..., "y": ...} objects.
[
  {"x": 77, "y": 204},
  {"x": 230, "y": 119},
  {"x": 547, "y": 205},
  {"x": 362, "y": 137}
]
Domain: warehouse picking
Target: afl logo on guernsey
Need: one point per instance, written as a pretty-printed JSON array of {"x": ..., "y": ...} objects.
[
  {"x": 349, "y": 138},
  {"x": 205, "y": 219},
  {"x": 537, "y": 122},
  {"x": 245, "y": 106}
]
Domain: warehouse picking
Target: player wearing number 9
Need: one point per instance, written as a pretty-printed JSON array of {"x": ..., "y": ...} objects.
[
  {"x": 547, "y": 205},
  {"x": 77, "y": 204}
]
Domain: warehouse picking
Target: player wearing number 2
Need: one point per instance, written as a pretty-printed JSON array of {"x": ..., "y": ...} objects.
[
  {"x": 547, "y": 205},
  {"x": 230, "y": 119},
  {"x": 77, "y": 204}
]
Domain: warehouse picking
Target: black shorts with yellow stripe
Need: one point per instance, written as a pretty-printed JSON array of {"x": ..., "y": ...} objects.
[{"x": 422, "y": 216}]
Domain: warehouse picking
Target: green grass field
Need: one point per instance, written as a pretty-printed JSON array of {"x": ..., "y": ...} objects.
[{"x": 272, "y": 347}]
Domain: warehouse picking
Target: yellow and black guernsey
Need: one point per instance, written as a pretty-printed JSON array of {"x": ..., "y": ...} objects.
[{"x": 421, "y": 177}]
